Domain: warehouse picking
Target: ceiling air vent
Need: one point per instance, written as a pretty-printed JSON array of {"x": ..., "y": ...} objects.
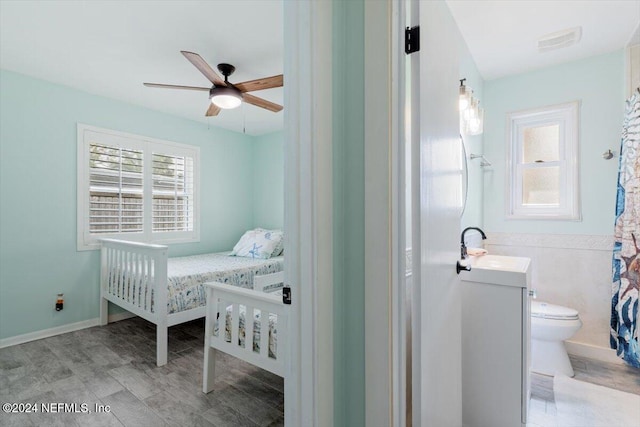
[{"x": 560, "y": 39}]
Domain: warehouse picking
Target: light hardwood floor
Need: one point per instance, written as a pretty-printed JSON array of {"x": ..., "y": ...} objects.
[
  {"x": 542, "y": 408},
  {"x": 115, "y": 365}
]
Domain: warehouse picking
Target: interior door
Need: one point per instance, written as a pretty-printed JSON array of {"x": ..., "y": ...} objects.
[{"x": 435, "y": 200}]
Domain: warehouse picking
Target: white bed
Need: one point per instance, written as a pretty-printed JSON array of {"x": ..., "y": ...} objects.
[
  {"x": 244, "y": 339},
  {"x": 140, "y": 277}
]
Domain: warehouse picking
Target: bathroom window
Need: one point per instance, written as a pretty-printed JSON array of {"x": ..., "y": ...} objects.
[{"x": 542, "y": 163}]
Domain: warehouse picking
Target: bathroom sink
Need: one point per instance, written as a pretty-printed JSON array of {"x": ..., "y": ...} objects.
[{"x": 498, "y": 270}]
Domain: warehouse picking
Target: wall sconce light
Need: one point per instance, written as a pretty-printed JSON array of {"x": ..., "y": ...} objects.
[
  {"x": 471, "y": 115},
  {"x": 465, "y": 96}
]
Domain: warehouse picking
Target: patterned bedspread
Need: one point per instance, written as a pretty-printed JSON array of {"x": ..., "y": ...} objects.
[
  {"x": 187, "y": 274},
  {"x": 273, "y": 330}
]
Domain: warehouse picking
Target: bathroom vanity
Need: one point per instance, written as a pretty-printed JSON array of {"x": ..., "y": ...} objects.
[{"x": 495, "y": 341}]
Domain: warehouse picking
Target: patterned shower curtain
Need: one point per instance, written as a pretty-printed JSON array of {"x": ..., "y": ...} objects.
[{"x": 626, "y": 249}]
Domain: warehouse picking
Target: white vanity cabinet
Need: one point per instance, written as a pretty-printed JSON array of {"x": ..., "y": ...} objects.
[{"x": 495, "y": 341}]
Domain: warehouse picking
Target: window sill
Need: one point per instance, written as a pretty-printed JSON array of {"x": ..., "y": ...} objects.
[{"x": 543, "y": 217}]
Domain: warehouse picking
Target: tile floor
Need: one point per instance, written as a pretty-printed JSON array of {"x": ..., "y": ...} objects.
[
  {"x": 542, "y": 408},
  {"x": 115, "y": 366}
]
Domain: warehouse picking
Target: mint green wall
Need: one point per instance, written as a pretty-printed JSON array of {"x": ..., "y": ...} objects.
[
  {"x": 598, "y": 83},
  {"x": 348, "y": 219},
  {"x": 268, "y": 180},
  {"x": 473, "y": 212},
  {"x": 38, "y": 256}
]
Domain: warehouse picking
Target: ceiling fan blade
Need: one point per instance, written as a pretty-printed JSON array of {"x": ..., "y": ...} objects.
[
  {"x": 204, "y": 68},
  {"x": 259, "y": 84},
  {"x": 213, "y": 110},
  {"x": 263, "y": 103},
  {"x": 163, "y": 86}
]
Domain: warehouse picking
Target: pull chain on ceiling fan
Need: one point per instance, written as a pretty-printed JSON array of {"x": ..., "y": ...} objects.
[{"x": 224, "y": 94}]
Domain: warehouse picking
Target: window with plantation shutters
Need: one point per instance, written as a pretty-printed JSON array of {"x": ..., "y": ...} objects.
[
  {"x": 116, "y": 189},
  {"x": 135, "y": 188},
  {"x": 172, "y": 193}
]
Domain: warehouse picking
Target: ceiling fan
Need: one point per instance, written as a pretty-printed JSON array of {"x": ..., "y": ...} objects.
[{"x": 223, "y": 94}]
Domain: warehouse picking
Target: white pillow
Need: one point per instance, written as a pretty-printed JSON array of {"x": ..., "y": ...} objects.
[
  {"x": 257, "y": 243},
  {"x": 280, "y": 247}
]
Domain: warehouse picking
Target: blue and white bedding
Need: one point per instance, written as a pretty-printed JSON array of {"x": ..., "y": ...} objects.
[
  {"x": 273, "y": 330},
  {"x": 187, "y": 274}
]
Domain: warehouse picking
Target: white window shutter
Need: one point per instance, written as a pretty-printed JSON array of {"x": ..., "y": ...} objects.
[{"x": 135, "y": 188}]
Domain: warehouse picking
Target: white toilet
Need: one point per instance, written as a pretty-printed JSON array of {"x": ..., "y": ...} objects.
[{"x": 550, "y": 326}]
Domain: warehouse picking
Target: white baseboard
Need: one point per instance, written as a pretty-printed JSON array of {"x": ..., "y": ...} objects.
[
  {"x": 58, "y": 330},
  {"x": 593, "y": 352}
]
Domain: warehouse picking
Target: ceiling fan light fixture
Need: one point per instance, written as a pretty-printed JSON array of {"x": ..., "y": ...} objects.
[
  {"x": 226, "y": 97},
  {"x": 224, "y": 94}
]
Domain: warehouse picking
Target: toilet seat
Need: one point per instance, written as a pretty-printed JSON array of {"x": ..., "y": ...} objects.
[{"x": 543, "y": 310}]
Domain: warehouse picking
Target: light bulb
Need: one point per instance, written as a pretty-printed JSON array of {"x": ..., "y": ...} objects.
[
  {"x": 226, "y": 101},
  {"x": 475, "y": 126},
  {"x": 471, "y": 111},
  {"x": 225, "y": 97},
  {"x": 464, "y": 98}
]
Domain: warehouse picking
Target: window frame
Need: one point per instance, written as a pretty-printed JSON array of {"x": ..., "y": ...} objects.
[
  {"x": 86, "y": 134},
  {"x": 567, "y": 117}
]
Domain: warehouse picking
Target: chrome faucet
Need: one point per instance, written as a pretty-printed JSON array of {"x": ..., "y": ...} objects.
[{"x": 463, "y": 247}]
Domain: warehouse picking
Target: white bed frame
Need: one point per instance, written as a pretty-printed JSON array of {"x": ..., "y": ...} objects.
[
  {"x": 219, "y": 297},
  {"x": 140, "y": 270}
]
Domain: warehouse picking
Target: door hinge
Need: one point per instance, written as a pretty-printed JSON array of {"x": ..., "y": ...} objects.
[
  {"x": 412, "y": 39},
  {"x": 286, "y": 295}
]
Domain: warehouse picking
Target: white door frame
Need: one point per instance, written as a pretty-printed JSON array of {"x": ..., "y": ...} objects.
[
  {"x": 385, "y": 366},
  {"x": 308, "y": 223}
]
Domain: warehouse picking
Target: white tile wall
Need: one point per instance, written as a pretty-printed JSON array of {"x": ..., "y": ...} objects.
[{"x": 572, "y": 270}]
